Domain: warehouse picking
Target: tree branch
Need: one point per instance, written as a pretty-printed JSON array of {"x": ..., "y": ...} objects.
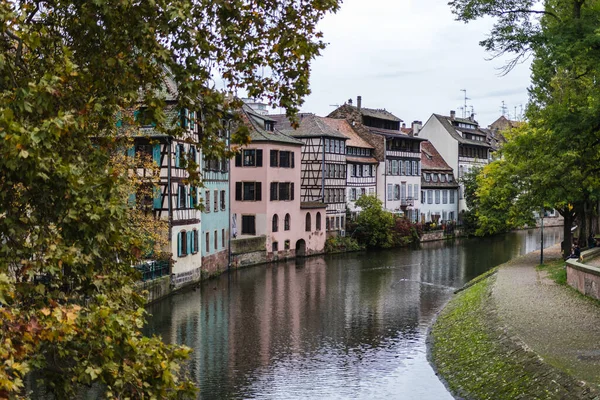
[{"x": 526, "y": 11}]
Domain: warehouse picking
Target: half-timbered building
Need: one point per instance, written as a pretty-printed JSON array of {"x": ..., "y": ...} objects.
[
  {"x": 266, "y": 200},
  {"x": 323, "y": 165},
  {"x": 176, "y": 200},
  {"x": 398, "y": 155},
  {"x": 361, "y": 165}
]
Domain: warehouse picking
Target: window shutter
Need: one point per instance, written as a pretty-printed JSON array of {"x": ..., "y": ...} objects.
[
  {"x": 238, "y": 191},
  {"x": 238, "y": 160},
  {"x": 179, "y": 242},
  {"x": 177, "y": 156},
  {"x": 191, "y": 196},
  {"x": 131, "y": 200},
  {"x": 273, "y": 158},
  {"x": 292, "y": 156},
  {"x": 273, "y": 191},
  {"x": 189, "y": 242},
  {"x": 131, "y": 152},
  {"x": 157, "y": 197},
  {"x": 292, "y": 191},
  {"x": 258, "y": 189},
  {"x": 156, "y": 153},
  {"x": 259, "y": 158}
]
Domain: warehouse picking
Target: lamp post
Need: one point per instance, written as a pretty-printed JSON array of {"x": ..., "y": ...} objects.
[{"x": 542, "y": 239}]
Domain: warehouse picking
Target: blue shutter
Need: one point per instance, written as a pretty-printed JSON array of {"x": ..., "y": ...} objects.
[
  {"x": 179, "y": 242},
  {"x": 131, "y": 200},
  {"x": 189, "y": 241},
  {"x": 156, "y": 153},
  {"x": 131, "y": 152},
  {"x": 178, "y": 196},
  {"x": 177, "y": 156},
  {"x": 191, "y": 196}
]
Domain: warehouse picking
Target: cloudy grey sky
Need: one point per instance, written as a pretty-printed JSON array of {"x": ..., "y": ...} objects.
[{"x": 412, "y": 58}]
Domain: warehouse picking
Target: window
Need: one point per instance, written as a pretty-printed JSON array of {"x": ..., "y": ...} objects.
[
  {"x": 308, "y": 227},
  {"x": 180, "y": 156},
  {"x": 216, "y": 241},
  {"x": 337, "y": 222},
  {"x": 352, "y": 170},
  {"x": 442, "y": 177},
  {"x": 223, "y": 200},
  {"x": 318, "y": 221},
  {"x": 437, "y": 196},
  {"x": 430, "y": 197},
  {"x": 182, "y": 197},
  {"x": 286, "y": 222},
  {"x": 396, "y": 192},
  {"x": 407, "y": 168},
  {"x": 390, "y": 192},
  {"x": 207, "y": 201},
  {"x": 249, "y": 158},
  {"x": 342, "y": 222},
  {"x": 275, "y": 223},
  {"x": 286, "y": 244},
  {"x": 275, "y": 246},
  {"x": 401, "y": 165},
  {"x": 394, "y": 167},
  {"x": 248, "y": 191},
  {"x": 195, "y": 237},
  {"x": 193, "y": 197},
  {"x": 371, "y": 191},
  {"x": 282, "y": 159},
  {"x": 366, "y": 170},
  {"x": 434, "y": 177},
  {"x": 326, "y": 145},
  {"x": 409, "y": 195},
  {"x": 452, "y": 196},
  {"x": 423, "y": 196},
  {"x": 352, "y": 194},
  {"x": 445, "y": 197},
  {"x": 183, "y": 239},
  {"x": 449, "y": 177},
  {"x": 427, "y": 177},
  {"x": 216, "y": 200},
  {"x": 363, "y": 191},
  {"x": 248, "y": 225},
  {"x": 223, "y": 238},
  {"x": 326, "y": 223},
  {"x": 207, "y": 242},
  {"x": 282, "y": 191},
  {"x": 415, "y": 170}
]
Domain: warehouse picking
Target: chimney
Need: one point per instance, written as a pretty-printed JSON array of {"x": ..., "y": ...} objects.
[
  {"x": 403, "y": 125},
  {"x": 350, "y": 101},
  {"x": 472, "y": 117},
  {"x": 452, "y": 114},
  {"x": 416, "y": 127},
  {"x": 358, "y": 102}
]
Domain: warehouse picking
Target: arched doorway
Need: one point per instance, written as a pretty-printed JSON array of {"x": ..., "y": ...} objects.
[{"x": 300, "y": 248}]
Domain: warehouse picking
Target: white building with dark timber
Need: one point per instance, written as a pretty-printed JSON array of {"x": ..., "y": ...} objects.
[{"x": 439, "y": 188}]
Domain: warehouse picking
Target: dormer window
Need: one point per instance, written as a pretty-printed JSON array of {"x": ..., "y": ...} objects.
[
  {"x": 427, "y": 177},
  {"x": 434, "y": 177},
  {"x": 442, "y": 177},
  {"x": 269, "y": 126}
]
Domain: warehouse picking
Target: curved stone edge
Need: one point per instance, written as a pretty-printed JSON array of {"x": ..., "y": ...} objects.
[{"x": 539, "y": 379}]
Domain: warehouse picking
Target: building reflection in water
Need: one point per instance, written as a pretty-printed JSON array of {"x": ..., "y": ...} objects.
[{"x": 341, "y": 326}]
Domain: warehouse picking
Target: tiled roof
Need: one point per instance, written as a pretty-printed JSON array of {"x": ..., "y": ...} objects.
[
  {"x": 392, "y": 133},
  {"x": 431, "y": 159},
  {"x": 309, "y": 126},
  {"x": 257, "y": 128},
  {"x": 342, "y": 126},
  {"x": 380, "y": 114},
  {"x": 362, "y": 160},
  {"x": 452, "y": 130}
]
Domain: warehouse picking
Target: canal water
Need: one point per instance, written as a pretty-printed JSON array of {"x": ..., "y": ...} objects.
[{"x": 349, "y": 326}]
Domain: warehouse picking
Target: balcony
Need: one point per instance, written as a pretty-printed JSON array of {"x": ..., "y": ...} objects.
[{"x": 407, "y": 202}]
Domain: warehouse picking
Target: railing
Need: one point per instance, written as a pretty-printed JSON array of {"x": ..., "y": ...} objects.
[
  {"x": 407, "y": 202},
  {"x": 153, "y": 269}
]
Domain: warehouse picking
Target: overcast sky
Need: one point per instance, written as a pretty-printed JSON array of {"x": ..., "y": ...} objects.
[{"x": 412, "y": 58}]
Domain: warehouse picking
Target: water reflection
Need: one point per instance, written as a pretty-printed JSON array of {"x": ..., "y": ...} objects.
[{"x": 349, "y": 326}]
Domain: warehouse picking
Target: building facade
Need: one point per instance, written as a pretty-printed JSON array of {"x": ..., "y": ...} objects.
[
  {"x": 323, "y": 165},
  {"x": 460, "y": 142},
  {"x": 439, "y": 188},
  {"x": 266, "y": 201}
]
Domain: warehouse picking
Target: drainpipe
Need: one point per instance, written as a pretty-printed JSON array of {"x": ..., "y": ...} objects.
[
  {"x": 323, "y": 175},
  {"x": 229, "y": 196},
  {"x": 385, "y": 172},
  {"x": 170, "y": 217}
]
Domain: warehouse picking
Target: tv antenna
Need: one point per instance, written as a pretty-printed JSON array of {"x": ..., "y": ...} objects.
[
  {"x": 466, "y": 98},
  {"x": 503, "y": 109}
]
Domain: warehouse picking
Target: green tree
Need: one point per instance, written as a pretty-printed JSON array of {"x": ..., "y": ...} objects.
[
  {"x": 68, "y": 70},
  {"x": 374, "y": 225},
  {"x": 556, "y": 154}
]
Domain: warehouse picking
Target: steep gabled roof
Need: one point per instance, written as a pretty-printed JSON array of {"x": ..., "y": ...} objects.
[
  {"x": 379, "y": 113},
  {"x": 309, "y": 126},
  {"x": 258, "y": 133},
  {"x": 343, "y": 127},
  {"x": 454, "y": 131},
  {"x": 431, "y": 159},
  {"x": 391, "y": 133}
]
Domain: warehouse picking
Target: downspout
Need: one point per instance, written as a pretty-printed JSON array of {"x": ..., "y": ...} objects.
[
  {"x": 228, "y": 138},
  {"x": 385, "y": 173},
  {"x": 169, "y": 142},
  {"x": 323, "y": 176}
]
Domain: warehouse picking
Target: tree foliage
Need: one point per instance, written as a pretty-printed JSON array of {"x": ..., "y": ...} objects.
[
  {"x": 553, "y": 159},
  {"x": 374, "y": 224},
  {"x": 68, "y": 238}
]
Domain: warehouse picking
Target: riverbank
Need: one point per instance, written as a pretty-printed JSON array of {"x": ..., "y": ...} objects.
[{"x": 516, "y": 334}]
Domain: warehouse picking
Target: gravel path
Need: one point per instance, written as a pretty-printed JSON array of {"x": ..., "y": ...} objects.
[{"x": 555, "y": 322}]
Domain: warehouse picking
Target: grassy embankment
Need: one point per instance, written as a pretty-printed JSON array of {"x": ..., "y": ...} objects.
[{"x": 479, "y": 360}]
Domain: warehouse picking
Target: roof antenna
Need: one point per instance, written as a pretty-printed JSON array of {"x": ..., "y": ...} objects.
[{"x": 466, "y": 98}]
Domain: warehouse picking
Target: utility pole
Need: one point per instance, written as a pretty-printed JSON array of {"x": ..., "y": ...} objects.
[{"x": 542, "y": 239}]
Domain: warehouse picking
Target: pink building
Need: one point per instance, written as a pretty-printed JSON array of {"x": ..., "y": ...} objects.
[{"x": 265, "y": 198}]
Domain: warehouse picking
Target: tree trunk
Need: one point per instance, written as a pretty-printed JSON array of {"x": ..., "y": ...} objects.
[{"x": 568, "y": 216}]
